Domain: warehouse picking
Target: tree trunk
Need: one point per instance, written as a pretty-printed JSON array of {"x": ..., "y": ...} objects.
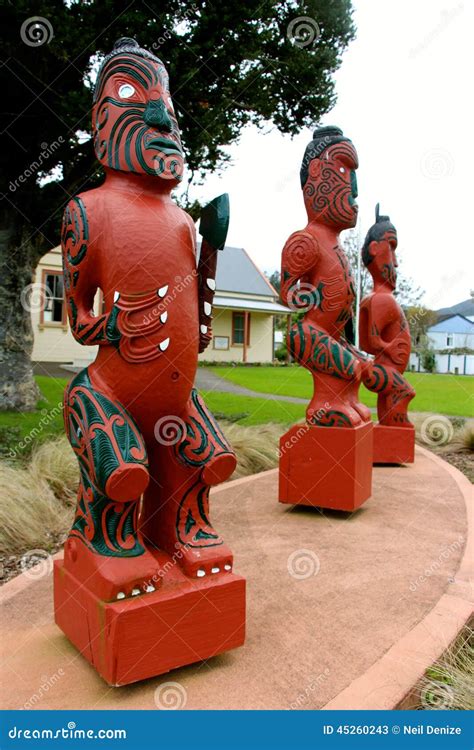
[{"x": 18, "y": 389}]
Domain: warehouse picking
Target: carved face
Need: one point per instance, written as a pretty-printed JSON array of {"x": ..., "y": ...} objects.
[
  {"x": 383, "y": 266},
  {"x": 330, "y": 191},
  {"x": 134, "y": 124}
]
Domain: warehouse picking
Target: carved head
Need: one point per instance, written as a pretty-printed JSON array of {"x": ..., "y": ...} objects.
[
  {"x": 133, "y": 120},
  {"x": 378, "y": 250},
  {"x": 328, "y": 178}
]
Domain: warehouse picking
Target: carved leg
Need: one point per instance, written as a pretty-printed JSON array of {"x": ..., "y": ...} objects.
[
  {"x": 395, "y": 393},
  {"x": 336, "y": 375},
  {"x": 104, "y": 550},
  {"x": 176, "y": 505}
]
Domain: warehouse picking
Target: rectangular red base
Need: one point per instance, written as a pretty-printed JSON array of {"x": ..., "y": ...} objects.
[
  {"x": 326, "y": 467},
  {"x": 182, "y": 622},
  {"x": 394, "y": 445}
]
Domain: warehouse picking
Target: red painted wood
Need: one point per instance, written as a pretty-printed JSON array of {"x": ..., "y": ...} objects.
[
  {"x": 384, "y": 333},
  {"x": 147, "y": 446},
  {"x": 326, "y": 467},
  {"x": 329, "y": 460},
  {"x": 394, "y": 445},
  {"x": 184, "y": 622}
]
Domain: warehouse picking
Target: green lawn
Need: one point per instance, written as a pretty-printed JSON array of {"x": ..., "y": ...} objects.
[
  {"x": 20, "y": 430},
  {"x": 442, "y": 394},
  {"x": 48, "y": 418}
]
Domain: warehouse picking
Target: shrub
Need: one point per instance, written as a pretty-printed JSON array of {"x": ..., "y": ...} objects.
[{"x": 428, "y": 360}]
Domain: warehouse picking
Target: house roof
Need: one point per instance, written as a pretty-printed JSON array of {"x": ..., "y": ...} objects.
[
  {"x": 465, "y": 308},
  {"x": 240, "y": 303},
  {"x": 236, "y": 272},
  {"x": 452, "y": 324}
]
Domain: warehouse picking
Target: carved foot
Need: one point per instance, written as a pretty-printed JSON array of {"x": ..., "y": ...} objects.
[
  {"x": 111, "y": 578},
  {"x": 127, "y": 482},
  {"x": 337, "y": 415},
  {"x": 198, "y": 562}
]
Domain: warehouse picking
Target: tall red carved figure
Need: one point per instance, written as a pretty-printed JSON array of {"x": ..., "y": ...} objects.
[
  {"x": 384, "y": 332},
  {"x": 146, "y": 584},
  {"x": 327, "y": 462}
]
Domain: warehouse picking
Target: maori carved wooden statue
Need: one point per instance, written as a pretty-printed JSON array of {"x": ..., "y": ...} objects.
[
  {"x": 328, "y": 463},
  {"x": 143, "y": 565},
  {"x": 384, "y": 332}
]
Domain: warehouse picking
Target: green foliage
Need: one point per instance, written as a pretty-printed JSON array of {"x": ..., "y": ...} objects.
[
  {"x": 419, "y": 318},
  {"x": 457, "y": 350},
  {"x": 428, "y": 360},
  {"x": 440, "y": 394},
  {"x": 230, "y": 64},
  {"x": 281, "y": 353}
]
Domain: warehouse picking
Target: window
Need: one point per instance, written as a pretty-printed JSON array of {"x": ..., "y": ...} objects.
[
  {"x": 449, "y": 339},
  {"x": 53, "y": 298},
  {"x": 238, "y": 325}
]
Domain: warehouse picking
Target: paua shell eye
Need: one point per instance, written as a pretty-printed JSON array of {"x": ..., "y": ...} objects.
[
  {"x": 126, "y": 90},
  {"x": 342, "y": 170}
]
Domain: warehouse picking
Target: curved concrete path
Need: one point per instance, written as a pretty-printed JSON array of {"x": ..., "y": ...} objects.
[
  {"x": 344, "y": 611},
  {"x": 207, "y": 380}
]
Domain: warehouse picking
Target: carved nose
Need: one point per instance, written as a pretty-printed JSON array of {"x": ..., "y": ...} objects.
[{"x": 156, "y": 115}]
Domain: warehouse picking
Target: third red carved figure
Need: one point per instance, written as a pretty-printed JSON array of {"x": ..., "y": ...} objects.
[
  {"x": 329, "y": 463},
  {"x": 142, "y": 546},
  {"x": 384, "y": 332}
]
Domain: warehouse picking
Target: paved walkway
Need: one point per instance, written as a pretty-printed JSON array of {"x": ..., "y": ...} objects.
[
  {"x": 345, "y": 609},
  {"x": 206, "y": 380}
]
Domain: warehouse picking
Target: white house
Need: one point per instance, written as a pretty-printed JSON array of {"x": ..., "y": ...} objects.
[
  {"x": 245, "y": 305},
  {"x": 452, "y": 332}
]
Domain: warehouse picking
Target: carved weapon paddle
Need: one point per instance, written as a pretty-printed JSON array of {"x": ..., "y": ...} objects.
[{"x": 213, "y": 229}]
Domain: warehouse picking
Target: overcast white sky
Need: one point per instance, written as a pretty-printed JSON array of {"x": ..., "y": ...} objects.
[{"x": 405, "y": 98}]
